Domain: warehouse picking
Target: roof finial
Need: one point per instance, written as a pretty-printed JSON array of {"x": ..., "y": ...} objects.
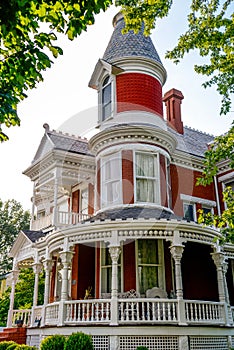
[{"x": 46, "y": 127}]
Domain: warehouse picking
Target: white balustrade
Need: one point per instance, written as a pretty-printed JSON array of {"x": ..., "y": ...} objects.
[
  {"x": 21, "y": 316},
  {"x": 70, "y": 218},
  {"x": 52, "y": 313},
  {"x": 43, "y": 222},
  {"x": 147, "y": 310},
  {"x": 204, "y": 312},
  {"x": 86, "y": 311}
]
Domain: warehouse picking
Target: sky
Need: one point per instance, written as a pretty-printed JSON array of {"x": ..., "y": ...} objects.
[{"x": 65, "y": 102}]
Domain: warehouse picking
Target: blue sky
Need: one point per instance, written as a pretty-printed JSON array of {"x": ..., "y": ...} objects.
[{"x": 65, "y": 93}]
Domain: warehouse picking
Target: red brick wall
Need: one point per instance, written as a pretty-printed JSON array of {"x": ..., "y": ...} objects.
[
  {"x": 129, "y": 263},
  {"x": 163, "y": 182},
  {"x": 74, "y": 273},
  {"x": 75, "y": 201},
  {"x": 136, "y": 91},
  {"x": 98, "y": 185},
  {"x": 183, "y": 181},
  {"x": 91, "y": 199},
  {"x": 127, "y": 176}
]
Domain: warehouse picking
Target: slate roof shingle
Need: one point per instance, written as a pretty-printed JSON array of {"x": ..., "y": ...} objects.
[
  {"x": 34, "y": 235},
  {"x": 128, "y": 45}
]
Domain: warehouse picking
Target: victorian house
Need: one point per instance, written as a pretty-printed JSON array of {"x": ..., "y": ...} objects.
[{"x": 114, "y": 220}]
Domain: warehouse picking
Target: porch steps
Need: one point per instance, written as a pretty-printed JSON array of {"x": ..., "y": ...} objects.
[{"x": 18, "y": 335}]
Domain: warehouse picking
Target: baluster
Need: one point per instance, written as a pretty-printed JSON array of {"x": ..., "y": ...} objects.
[
  {"x": 158, "y": 311},
  {"x": 138, "y": 314},
  {"x": 169, "y": 311},
  {"x": 108, "y": 311},
  {"x": 127, "y": 311},
  {"x": 153, "y": 311},
  {"x": 163, "y": 311},
  {"x": 143, "y": 311},
  {"x": 122, "y": 311},
  {"x": 174, "y": 311},
  {"x": 203, "y": 312},
  {"x": 92, "y": 311}
]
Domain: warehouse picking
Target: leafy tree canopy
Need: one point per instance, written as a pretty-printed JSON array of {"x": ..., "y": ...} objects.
[
  {"x": 28, "y": 41},
  {"x": 13, "y": 219}
]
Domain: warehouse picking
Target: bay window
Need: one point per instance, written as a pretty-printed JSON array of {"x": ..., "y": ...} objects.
[{"x": 146, "y": 175}]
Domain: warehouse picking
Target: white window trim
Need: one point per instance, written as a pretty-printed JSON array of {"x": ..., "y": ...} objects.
[
  {"x": 157, "y": 178},
  {"x": 193, "y": 200},
  {"x": 103, "y": 203},
  {"x": 194, "y": 209},
  {"x": 113, "y": 98}
]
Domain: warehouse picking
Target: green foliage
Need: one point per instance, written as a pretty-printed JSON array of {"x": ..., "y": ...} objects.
[
  {"x": 221, "y": 149},
  {"x": 23, "y": 294},
  {"x": 25, "y": 347},
  {"x": 141, "y": 348},
  {"x": 4, "y": 345},
  {"x": 28, "y": 43},
  {"x": 79, "y": 341},
  {"x": 13, "y": 219},
  {"x": 53, "y": 342},
  {"x": 12, "y": 346}
]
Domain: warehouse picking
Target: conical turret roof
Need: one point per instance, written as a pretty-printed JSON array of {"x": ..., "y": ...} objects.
[{"x": 129, "y": 45}]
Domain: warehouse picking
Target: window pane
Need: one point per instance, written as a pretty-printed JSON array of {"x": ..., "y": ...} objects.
[
  {"x": 148, "y": 277},
  {"x": 148, "y": 252},
  {"x": 106, "y": 94},
  {"x": 145, "y": 165},
  {"x": 145, "y": 190},
  {"x": 189, "y": 212}
]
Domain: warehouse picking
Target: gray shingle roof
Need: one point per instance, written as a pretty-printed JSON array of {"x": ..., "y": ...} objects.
[
  {"x": 68, "y": 143},
  {"x": 128, "y": 45},
  {"x": 34, "y": 235},
  {"x": 193, "y": 141}
]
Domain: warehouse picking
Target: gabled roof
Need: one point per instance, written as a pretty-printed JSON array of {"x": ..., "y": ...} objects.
[
  {"x": 33, "y": 236},
  {"x": 129, "y": 44},
  {"x": 25, "y": 238},
  {"x": 57, "y": 140}
]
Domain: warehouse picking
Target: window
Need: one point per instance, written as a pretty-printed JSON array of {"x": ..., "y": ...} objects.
[
  {"x": 168, "y": 179},
  {"x": 106, "y": 98},
  {"x": 106, "y": 272},
  {"x": 111, "y": 180},
  {"x": 146, "y": 171},
  {"x": 149, "y": 264},
  {"x": 189, "y": 212}
]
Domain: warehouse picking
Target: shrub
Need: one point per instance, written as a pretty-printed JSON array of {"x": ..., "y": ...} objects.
[
  {"x": 79, "y": 341},
  {"x": 53, "y": 342},
  {"x": 5, "y": 344},
  {"x": 12, "y": 346},
  {"x": 142, "y": 348},
  {"x": 25, "y": 347}
]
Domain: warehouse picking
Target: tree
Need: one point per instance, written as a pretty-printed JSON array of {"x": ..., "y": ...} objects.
[
  {"x": 222, "y": 148},
  {"x": 13, "y": 219},
  {"x": 29, "y": 30},
  {"x": 23, "y": 294}
]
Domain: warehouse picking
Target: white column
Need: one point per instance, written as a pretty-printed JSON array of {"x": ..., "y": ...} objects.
[
  {"x": 177, "y": 252},
  {"x": 33, "y": 207},
  {"x": 114, "y": 253},
  {"x": 37, "y": 267},
  {"x": 66, "y": 258},
  {"x": 220, "y": 263},
  {"x": 14, "y": 277},
  {"x": 47, "y": 263}
]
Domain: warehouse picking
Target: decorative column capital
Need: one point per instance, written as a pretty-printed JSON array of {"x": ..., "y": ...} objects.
[
  {"x": 14, "y": 275},
  {"x": 219, "y": 259},
  {"x": 47, "y": 263},
  {"x": 37, "y": 267},
  {"x": 66, "y": 258},
  {"x": 177, "y": 252},
  {"x": 114, "y": 253}
]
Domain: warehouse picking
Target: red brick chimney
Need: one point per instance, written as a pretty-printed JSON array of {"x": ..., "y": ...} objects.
[{"x": 172, "y": 100}]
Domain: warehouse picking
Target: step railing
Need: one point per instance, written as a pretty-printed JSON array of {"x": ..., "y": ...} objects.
[
  {"x": 52, "y": 314},
  {"x": 21, "y": 317}
]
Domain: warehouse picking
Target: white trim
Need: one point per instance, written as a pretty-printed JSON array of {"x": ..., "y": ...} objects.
[
  {"x": 133, "y": 147},
  {"x": 192, "y": 199},
  {"x": 226, "y": 177},
  {"x": 193, "y": 204}
]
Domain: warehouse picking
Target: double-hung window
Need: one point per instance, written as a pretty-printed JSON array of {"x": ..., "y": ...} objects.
[
  {"x": 106, "y": 98},
  {"x": 146, "y": 174},
  {"x": 111, "y": 180}
]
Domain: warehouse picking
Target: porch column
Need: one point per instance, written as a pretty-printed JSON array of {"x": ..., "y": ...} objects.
[
  {"x": 177, "y": 252},
  {"x": 37, "y": 267},
  {"x": 14, "y": 277},
  {"x": 220, "y": 263},
  {"x": 47, "y": 263},
  {"x": 66, "y": 258},
  {"x": 33, "y": 207},
  {"x": 114, "y": 253}
]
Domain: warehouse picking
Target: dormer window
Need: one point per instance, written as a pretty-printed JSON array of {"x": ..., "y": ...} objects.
[{"x": 106, "y": 98}]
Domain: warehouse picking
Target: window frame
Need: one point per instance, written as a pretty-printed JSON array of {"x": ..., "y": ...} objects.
[
  {"x": 193, "y": 208},
  {"x": 105, "y": 182},
  {"x": 156, "y": 178},
  {"x": 107, "y": 83}
]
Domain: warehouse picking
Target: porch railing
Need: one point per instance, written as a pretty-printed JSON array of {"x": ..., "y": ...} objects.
[
  {"x": 22, "y": 317},
  {"x": 41, "y": 223},
  {"x": 129, "y": 311},
  {"x": 204, "y": 312}
]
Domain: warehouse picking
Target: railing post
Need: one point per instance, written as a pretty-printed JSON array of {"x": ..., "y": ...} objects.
[{"x": 114, "y": 253}]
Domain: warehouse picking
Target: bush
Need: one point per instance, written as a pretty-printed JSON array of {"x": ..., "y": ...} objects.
[
  {"x": 12, "y": 346},
  {"x": 25, "y": 347},
  {"x": 5, "y": 344},
  {"x": 142, "y": 348},
  {"x": 79, "y": 341},
  {"x": 53, "y": 342}
]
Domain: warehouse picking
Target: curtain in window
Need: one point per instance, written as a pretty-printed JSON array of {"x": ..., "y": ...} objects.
[{"x": 145, "y": 178}]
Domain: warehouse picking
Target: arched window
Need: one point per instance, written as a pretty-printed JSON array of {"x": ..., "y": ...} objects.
[{"x": 106, "y": 98}]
